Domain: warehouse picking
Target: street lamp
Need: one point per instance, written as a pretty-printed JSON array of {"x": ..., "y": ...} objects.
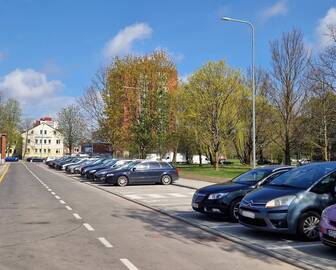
[{"x": 253, "y": 85}]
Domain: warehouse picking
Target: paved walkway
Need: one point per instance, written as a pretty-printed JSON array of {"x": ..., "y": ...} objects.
[{"x": 194, "y": 184}]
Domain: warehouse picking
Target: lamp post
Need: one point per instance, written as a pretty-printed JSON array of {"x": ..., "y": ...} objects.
[{"x": 253, "y": 85}]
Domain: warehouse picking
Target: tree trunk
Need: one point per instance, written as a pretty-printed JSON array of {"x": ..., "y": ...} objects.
[
  {"x": 200, "y": 158},
  {"x": 216, "y": 164},
  {"x": 326, "y": 143},
  {"x": 174, "y": 154},
  {"x": 287, "y": 149}
]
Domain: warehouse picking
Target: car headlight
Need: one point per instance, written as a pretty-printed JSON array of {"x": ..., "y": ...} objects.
[
  {"x": 93, "y": 171},
  {"x": 281, "y": 201},
  {"x": 216, "y": 196},
  {"x": 109, "y": 174}
]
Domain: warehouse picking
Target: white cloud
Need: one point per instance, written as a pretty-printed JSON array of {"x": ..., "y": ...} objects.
[
  {"x": 122, "y": 43},
  {"x": 279, "y": 8},
  {"x": 324, "y": 39},
  {"x": 36, "y": 94}
]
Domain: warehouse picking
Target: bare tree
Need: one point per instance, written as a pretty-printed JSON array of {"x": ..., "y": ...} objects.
[
  {"x": 289, "y": 61},
  {"x": 72, "y": 126}
]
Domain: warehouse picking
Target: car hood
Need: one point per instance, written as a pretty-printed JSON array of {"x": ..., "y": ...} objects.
[
  {"x": 265, "y": 194},
  {"x": 225, "y": 187}
]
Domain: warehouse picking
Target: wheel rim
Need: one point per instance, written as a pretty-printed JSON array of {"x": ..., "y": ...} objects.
[
  {"x": 166, "y": 180},
  {"x": 236, "y": 210},
  {"x": 122, "y": 181},
  {"x": 310, "y": 227}
]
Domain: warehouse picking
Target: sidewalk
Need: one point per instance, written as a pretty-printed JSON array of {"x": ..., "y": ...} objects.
[{"x": 193, "y": 184}]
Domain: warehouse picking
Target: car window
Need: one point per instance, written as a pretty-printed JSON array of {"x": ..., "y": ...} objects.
[
  {"x": 142, "y": 166},
  {"x": 303, "y": 177},
  {"x": 326, "y": 185},
  {"x": 252, "y": 176},
  {"x": 154, "y": 165},
  {"x": 270, "y": 178},
  {"x": 165, "y": 165}
]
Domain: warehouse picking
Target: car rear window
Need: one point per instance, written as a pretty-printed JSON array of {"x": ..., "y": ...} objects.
[{"x": 165, "y": 165}]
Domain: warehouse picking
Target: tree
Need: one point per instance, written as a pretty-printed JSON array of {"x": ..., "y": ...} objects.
[
  {"x": 71, "y": 125},
  {"x": 289, "y": 62},
  {"x": 26, "y": 124},
  {"x": 207, "y": 99}
]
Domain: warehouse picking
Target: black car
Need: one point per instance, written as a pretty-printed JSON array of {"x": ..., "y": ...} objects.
[
  {"x": 224, "y": 199},
  {"x": 88, "y": 167},
  {"x": 293, "y": 202},
  {"x": 105, "y": 165},
  {"x": 100, "y": 175},
  {"x": 141, "y": 172}
]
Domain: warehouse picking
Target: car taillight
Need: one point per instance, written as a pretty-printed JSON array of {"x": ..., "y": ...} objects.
[{"x": 177, "y": 171}]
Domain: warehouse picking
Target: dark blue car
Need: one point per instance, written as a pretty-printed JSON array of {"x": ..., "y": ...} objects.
[
  {"x": 293, "y": 202},
  {"x": 141, "y": 172},
  {"x": 224, "y": 199}
]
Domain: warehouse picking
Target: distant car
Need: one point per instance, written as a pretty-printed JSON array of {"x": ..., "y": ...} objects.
[
  {"x": 264, "y": 161},
  {"x": 293, "y": 202},
  {"x": 37, "y": 159},
  {"x": 224, "y": 199},
  {"x": 11, "y": 159},
  {"x": 225, "y": 162},
  {"x": 100, "y": 175},
  {"x": 141, "y": 172},
  {"x": 328, "y": 226}
]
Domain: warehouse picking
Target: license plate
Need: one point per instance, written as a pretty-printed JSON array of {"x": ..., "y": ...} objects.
[
  {"x": 248, "y": 214},
  {"x": 195, "y": 205},
  {"x": 332, "y": 233}
]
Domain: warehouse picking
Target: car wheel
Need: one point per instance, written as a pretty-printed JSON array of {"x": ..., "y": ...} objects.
[
  {"x": 166, "y": 180},
  {"x": 234, "y": 210},
  {"x": 308, "y": 228},
  {"x": 122, "y": 181}
]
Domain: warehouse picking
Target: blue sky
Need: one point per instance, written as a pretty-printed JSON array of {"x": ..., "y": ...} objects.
[{"x": 50, "y": 50}]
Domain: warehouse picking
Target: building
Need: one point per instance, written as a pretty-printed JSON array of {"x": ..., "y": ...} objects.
[{"x": 42, "y": 140}]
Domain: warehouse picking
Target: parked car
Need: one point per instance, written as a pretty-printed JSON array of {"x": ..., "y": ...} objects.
[
  {"x": 88, "y": 167},
  {"x": 70, "y": 168},
  {"x": 101, "y": 174},
  {"x": 78, "y": 168},
  {"x": 11, "y": 159},
  {"x": 224, "y": 199},
  {"x": 141, "y": 172},
  {"x": 293, "y": 202},
  {"x": 104, "y": 166},
  {"x": 328, "y": 226}
]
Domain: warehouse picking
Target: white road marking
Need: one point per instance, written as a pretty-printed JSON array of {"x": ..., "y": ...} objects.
[
  {"x": 49, "y": 189},
  {"x": 88, "y": 227},
  {"x": 57, "y": 197},
  {"x": 177, "y": 195},
  {"x": 105, "y": 242},
  {"x": 53, "y": 193},
  {"x": 295, "y": 246},
  {"x": 135, "y": 197},
  {"x": 77, "y": 216},
  {"x": 128, "y": 264},
  {"x": 68, "y": 207},
  {"x": 62, "y": 202},
  {"x": 155, "y": 196}
]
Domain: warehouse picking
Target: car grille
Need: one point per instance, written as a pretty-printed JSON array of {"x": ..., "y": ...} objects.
[
  {"x": 253, "y": 204},
  {"x": 198, "y": 197},
  {"x": 253, "y": 221},
  {"x": 250, "y": 209}
]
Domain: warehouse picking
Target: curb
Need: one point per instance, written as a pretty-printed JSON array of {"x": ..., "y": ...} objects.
[{"x": 257, "y": 248}]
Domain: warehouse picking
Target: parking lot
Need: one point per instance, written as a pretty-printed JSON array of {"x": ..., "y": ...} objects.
[{"x": 175, "y": 200}]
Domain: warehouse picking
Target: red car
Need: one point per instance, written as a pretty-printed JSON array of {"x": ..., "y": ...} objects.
[{"x": 328, "y": 226}]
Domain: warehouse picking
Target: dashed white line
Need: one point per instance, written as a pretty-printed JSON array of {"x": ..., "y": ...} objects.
[
  {"x": 128, "y": 264},
  {"x": 177, "y": 195},
  {"x": 105, "y": 242},
  {"x": 134, "y": 197},
  {"x": 53, "y": 193},
  {"x": 77, "y": 216},
  {"x": 57, "y": 197},
  {"x": 68, "y": 207},
  {"x": 49, "y": 189},
  {"x": 295, "y": 246},
  {"x": 88, "y": 227},
  {"x": 62, "y": 202}
]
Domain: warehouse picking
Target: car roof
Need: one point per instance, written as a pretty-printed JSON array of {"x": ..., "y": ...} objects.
[{"x": 275, "y": 168}]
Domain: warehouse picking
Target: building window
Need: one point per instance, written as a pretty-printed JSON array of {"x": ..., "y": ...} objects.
[
  {"x": 28, "y": 141},
  {"x": 45, "y": 150},
  {"x": 45, "y": 132},
  {"x": 40, "y": 141},
  {"x": 36, "y": 141},
  {"x": 35, "y": 150},
  {"x": 58, "y": 141},
  {"x": 41, "y": 131},
  {"x": 40, "y": 150},
  {"x": 45, "y": 141},
  {"x": 49, "y": 141},
  {"x": 49, "y": 151},
  {"x": 57, "y": 151},
  {"x": 32, "y": 132},
  {"x": 54, "y": 132},
  {"x": 28, "y": 150}
]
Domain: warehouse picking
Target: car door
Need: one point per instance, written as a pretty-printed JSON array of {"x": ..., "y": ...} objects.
[
  {"x": 325, "y": 190},
  {"x": 155, "y": 171},
  {"x": 140, "y": 173}
]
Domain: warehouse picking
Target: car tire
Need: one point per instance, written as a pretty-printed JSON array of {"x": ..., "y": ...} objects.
[
  {"x": 308, "y": 227},
  {"x": 166, "y": 180},
  {"x": 234, "y": 210},
  {"x": 122, "y": 181}
]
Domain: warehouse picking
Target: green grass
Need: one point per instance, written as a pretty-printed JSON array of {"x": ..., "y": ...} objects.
[{"x": 225, "y": 171}]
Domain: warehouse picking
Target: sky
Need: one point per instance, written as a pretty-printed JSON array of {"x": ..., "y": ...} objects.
[{"x": 50, "y": 50}]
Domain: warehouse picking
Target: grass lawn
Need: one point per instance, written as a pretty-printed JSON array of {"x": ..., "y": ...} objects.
[{"x": 206, "y": 171}]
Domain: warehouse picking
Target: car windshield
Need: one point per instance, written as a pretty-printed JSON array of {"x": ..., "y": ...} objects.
[
  {"x": 252, "y": 176},
  {"x": 303, "y": 177}
]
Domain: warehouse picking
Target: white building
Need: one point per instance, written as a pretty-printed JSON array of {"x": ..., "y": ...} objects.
[{"x": 42, "y": 140}]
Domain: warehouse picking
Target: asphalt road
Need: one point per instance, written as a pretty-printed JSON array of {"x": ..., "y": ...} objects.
[{"x": 51, "y": 221}]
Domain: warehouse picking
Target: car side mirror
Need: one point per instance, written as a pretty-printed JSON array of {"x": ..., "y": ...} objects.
[{"x": 133, "y": 169}]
